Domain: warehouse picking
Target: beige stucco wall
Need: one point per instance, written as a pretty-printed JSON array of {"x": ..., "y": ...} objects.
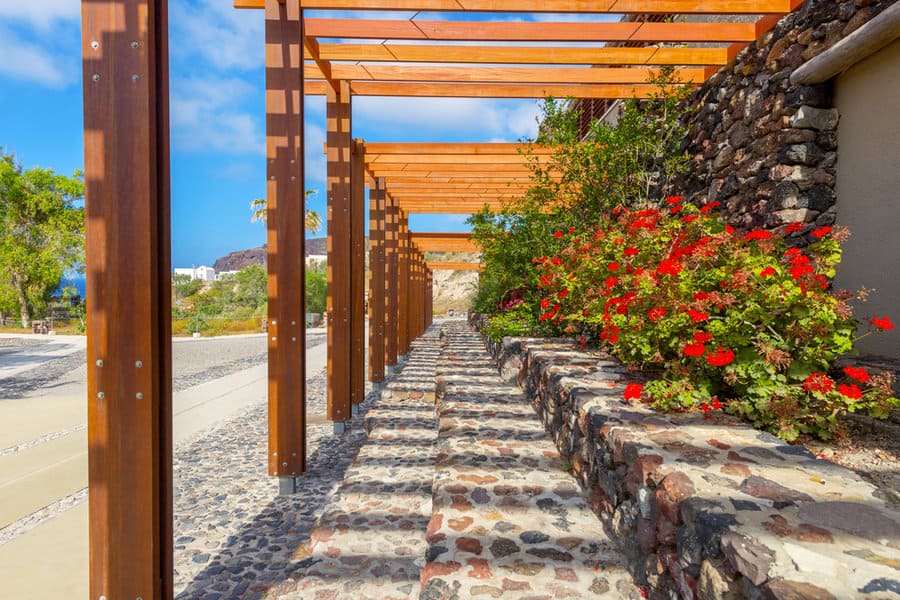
[{"x": 868, "y": 189}]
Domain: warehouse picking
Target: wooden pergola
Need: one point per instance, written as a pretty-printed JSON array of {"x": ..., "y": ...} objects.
[{"x": 125, "y": 47}]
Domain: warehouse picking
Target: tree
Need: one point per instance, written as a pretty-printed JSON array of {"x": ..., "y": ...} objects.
[
  {"x": 312, "y": 219},
  {"x": 41, "y": 234}
]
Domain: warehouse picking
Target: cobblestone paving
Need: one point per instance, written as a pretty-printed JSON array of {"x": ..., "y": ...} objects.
[
  {"x": 508, "y": 521},
  {"x": 370, "y": 542},
  {"x": 236, "y": 539}
]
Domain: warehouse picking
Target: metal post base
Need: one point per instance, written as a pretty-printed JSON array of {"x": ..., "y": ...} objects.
[
  {"x": 341, "y": 426},
  {"x": 287, "y": 485},
  {"x": 354, "y": 410}
]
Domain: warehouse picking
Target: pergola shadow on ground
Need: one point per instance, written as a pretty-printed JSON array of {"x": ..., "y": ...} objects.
[{"x": 128, "y": 214}]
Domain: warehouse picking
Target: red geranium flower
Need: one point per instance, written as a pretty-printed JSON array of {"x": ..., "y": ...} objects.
[
  {"x": 818, "y": 382},
  {"x": 721, "y": 357},
  {"x": 793, "y": 227},
  {"x": 558, "y": 234},
  {"x": 708, "y": 207},
  {"x": 758, "y": 234},
  {"x": 545, "y": 303},
  {"x": 856, "y": 373},
  {"x": 556, "y": 261},
  {"x": 673, "y": 199},
  {"x": 820, "y": 232},
  {"x": 700, "y": 296},
  {"x": 697, "y": 316},
  {"x": 562, "y": 294},
  {"x": 882, "y": 323},
  {"x": 614, "y": 267},
  {"x": 675, "y": 209},
  {"x": 689, "y": 218},
  {"x": 669, "y": 267},
  {"x": 611, "y": 281},
  {"x": 729, "y": 229},
  {"x": 633, "y": 391},
  {"x": 630, "y": 251},
  {"x": 716, "y": 404},
  {"x": 656, "y": 314},
  {"x": 849, "y": 390},
  {"x": 572, "y": 229},
  {"x": 799, "y": 270},
  {"x": 767, "y": 272},
  {"x": 701, "y": 337},
  {"x": 695, "y": 349}
]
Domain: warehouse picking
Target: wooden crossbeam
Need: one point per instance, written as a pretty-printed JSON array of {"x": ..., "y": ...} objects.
[
  {"x": 554, "y": 6},
  {"x": 448, "y": 74},
  {"x": 522, "y": 55},
  {"x": 443, "y": 242},
  {"x": 469, "y": 148},
  {"x": 454, "y": 266},
  {"x": 494, "y": 31},
  {"x": 405, "y": 89}
]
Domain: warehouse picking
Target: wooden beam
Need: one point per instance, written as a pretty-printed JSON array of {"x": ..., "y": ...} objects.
[
  {"x": 391, "y": 278},
  {"x": 129, "y": 372},
  {"x": 545, "y": 75},
  {"x": 452, "y": 148},
  {"x": 323, "y": 67},
  {"x": 454, "y": 266},
  {"x": 339, "y": 252},
  {"x": 501, "y": 90},
  {"x": 429, "y": 299},
  {"x": 373, "y": 159},
  {"x": 523, "y": 55},
  {"x": 285, "y": 242},
  {"x": 443, "y": 242},
  {"x": 509, "y": 31},
  {"x": 377, "y": 270},
  {"x": 441, "y": 170},
  {"x": 357, "y": 273},
  {"x": 553, "y": 6}
]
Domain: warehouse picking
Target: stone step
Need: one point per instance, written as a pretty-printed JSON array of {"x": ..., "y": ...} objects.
[
  {"x": 508, "y": 521},
  {"x": 370, "y": 541}
]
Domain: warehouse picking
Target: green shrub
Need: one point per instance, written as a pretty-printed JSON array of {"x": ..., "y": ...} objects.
[{"x": 716, "y": 317}]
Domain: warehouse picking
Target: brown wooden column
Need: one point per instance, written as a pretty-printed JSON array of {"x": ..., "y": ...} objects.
[
  {"x": 376, "y": 279},
  {"x": 391, "y": 279},
  {"x": 285, "y": 242},
  {"x": 129, "y": 371},
  {"x": 429, "y": 298},
  {"x": 338, "y": 144},
  {"x": 403, "y": 272},
  {"x": 357, "y": 272}
]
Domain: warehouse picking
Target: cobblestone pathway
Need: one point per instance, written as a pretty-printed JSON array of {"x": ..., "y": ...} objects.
[
  {"x": 473, "y": 504},
  {"x": 370, "y": 542},
  {"x": 508, "y": 521}
]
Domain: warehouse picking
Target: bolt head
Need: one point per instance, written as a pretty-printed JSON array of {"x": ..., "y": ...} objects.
[
  {"x": 139, "y": 396},
  {"x": 134, "y": 45},
  {"x": 101, "y": 395},
  {"x": 138, "y": 364},
  {"x": 99, "y": 363}
]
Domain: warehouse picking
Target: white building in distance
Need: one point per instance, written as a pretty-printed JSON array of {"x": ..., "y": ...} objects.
[{"x": 202, "y": 272}]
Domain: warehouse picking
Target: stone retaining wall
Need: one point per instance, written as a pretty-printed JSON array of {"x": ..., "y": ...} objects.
[
  {"x": 706, "y": 507},
  {"x": 762, "y": 146}
]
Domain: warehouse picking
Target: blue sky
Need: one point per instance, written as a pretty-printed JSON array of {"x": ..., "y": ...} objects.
[{"x": 217, "y": 116}]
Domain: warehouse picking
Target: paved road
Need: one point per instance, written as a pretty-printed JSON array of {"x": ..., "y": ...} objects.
[{"x": 43, "y": 438}]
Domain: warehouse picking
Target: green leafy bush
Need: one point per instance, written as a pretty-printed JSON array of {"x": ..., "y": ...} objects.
[{"x": 717, "y": 318}]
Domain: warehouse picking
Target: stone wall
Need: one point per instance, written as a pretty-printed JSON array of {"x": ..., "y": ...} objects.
[
  {"x": 763, "y": 147},
  {"x": 703, "y": 506}
]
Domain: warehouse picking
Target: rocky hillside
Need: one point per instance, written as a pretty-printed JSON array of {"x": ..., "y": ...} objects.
[
  {"x": 235, "y": 261},
  {"x": 452, "y": 289}
]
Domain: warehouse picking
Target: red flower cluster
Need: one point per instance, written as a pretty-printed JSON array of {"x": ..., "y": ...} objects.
[
  {"x": 697, "y": 316},
  {"x": 695, "y": 349},
  {"x": 633, "y": 391},
  {"x": 850, "y": 390},
  {"x": 758, "y": 234},
  {"x": 818, "y": 383},
  {"x": 857, "y": 374},
  {"x": 721, "y": 357},
  {"x": 656, "y": 313},
  {"x": 669, "y": 267},
  {"x": 882, "y": 323}
]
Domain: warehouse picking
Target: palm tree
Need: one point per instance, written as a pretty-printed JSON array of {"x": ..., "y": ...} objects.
[{"x": 312, "y": 220}]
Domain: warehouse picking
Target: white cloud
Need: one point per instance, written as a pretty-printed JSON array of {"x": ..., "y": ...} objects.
[
  {"x": 26, "y": 61},
  {"x": 206, "y": 114},
  {"x": 224, "y": 37},
  {"x": 40, "y": 14}
]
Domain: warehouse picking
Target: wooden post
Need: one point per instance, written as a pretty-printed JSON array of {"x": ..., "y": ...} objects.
[
  {"x": 339, "y": 251},
  {"x": 358, "y": 272},
  {"x": 129, "y": 374},
  {"x": 391, "y": 278},
  {"x": 376, "y": 280},
  {"x": 403, "y": 273},
  {"x": 285, "y": 242},
  {"x": 429, "y": 299}
]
